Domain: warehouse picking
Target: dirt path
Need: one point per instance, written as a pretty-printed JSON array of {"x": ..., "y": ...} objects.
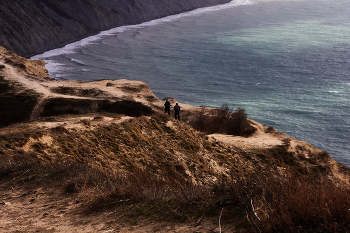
[
  {"x": 30, "y": 84},
  {"x": 48, "y": 209},
  {"x": 43, "y": 88},
  {"x": 35, "y": 85}
]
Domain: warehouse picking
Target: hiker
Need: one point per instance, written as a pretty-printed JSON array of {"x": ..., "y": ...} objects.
[
  {"x": 167, "y": 107},
  {"x": 177, "y": 111}
]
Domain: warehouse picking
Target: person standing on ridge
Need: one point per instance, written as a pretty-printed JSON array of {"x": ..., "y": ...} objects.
[
  {"x": 177, "y": 111},
  {"x": 167, "y": 107}
]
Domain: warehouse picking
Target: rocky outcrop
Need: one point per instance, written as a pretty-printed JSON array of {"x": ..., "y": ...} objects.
[
  {"x": 28, "y": 93},
  {"x": 30, "y": 27}
]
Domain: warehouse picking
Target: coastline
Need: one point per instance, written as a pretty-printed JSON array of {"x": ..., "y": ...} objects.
[
  {"x": 68, "y": 48},
  {"x": 45, "y": 26},
  {"x": 308, "y": 119},
  {"x": 68, "y": 159},
  {"x": 102, "y": 156}
]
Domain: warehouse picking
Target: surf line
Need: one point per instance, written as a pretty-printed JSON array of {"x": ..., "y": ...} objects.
[{"x": 69, "y": 48}]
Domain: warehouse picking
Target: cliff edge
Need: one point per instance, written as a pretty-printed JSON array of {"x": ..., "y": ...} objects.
[{"x": 104, "y": 157}]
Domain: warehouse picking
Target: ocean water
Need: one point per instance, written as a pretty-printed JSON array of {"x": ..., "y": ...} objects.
[{"x": 287, "y": 62}]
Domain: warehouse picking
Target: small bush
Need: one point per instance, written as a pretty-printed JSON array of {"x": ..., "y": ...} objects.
[
  {"x": 238, "y": 124},
  {"x": 270, "y": 129},
  {"x": 223, "y": 120}
]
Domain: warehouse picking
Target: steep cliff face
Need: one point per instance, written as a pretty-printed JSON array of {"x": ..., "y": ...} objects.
[{"x": 29, "y": 27}]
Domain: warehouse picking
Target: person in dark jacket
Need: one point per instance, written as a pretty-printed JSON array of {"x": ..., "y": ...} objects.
[
  {"x": 167, "y": 107},
  {"x": 177, "y": 111}
]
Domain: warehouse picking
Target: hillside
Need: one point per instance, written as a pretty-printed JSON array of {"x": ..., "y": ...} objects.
[
  {"x": 103, "y": 157},
  {"x": 30, "y": 27}
]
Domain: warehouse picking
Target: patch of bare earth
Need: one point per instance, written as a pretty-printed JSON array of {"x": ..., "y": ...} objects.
[{"x": 48, "y": 209}]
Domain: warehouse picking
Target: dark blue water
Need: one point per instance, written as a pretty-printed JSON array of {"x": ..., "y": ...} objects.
[{"x": 286, "y": 62}]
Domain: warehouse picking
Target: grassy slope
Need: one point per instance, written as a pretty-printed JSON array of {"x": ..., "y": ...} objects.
[
  {"x": 147, "y": 165},
  {"x": 156, "y": 165}
]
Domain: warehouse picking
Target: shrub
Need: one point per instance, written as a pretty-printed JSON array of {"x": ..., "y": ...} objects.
[
  {"x": 290, "y": 203},
  {"x": 238, "y": 123},
  {"x": 302, "y": 204},
  {"x": 223, "y": 120}
]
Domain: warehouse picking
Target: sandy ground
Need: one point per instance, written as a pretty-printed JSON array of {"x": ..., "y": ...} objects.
[
  {"x": 47, "y": 209},
  {"x": 260, "y": 139}
]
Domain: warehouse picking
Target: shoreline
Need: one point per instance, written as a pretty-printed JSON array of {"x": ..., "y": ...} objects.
[
  {"x": 46, "y": 26},
  {"x": 68, "y": 48}
]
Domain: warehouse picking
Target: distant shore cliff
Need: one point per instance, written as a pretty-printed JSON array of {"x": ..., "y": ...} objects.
[{"x": 30, "y": 27}]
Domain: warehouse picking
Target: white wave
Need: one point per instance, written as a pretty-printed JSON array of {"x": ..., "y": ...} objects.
[
  {"x": 54, "y": 66},
  {"x": 56, "y": 69},
  {"x": 79, "y": 62},
  {"x": 69, "y": 49}
]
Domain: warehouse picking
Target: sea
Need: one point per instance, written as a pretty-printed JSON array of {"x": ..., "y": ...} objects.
[{"x": 286, "y": 62}]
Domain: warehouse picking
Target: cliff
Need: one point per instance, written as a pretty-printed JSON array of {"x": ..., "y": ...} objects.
[
  {"x": 102, "y": 156},
  {"x": 30, "y": 27}
]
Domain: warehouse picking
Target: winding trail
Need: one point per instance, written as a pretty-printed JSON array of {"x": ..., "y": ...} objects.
[{"x": 11, "y": 73}]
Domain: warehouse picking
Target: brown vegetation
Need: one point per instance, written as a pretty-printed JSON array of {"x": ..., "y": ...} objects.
[
  {"x": 152, "y": 165},
  {"x": 147, "y": 165},
  {"x": 223, "y": 120}
]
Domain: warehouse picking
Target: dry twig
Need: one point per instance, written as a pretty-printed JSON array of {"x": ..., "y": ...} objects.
[{"x": 220, "y": 218}]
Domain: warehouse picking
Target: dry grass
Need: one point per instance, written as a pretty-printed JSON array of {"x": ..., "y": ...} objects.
[
  {"x": 303, "y": 204},
  {"x": 143, "y": 166},
  {"x": 286, "y": 204}
]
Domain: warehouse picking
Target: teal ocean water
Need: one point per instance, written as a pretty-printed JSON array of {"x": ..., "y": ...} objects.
[{"x": 286, "y": 62}]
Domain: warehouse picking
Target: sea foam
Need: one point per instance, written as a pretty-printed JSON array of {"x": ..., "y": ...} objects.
[{"x": 69, "y": 48}]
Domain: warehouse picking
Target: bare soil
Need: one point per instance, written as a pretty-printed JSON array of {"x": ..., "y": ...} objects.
[{"x": 48, "y": 209}]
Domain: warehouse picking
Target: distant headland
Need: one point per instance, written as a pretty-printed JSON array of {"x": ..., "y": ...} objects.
[{"x": 31, "y": 27}]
